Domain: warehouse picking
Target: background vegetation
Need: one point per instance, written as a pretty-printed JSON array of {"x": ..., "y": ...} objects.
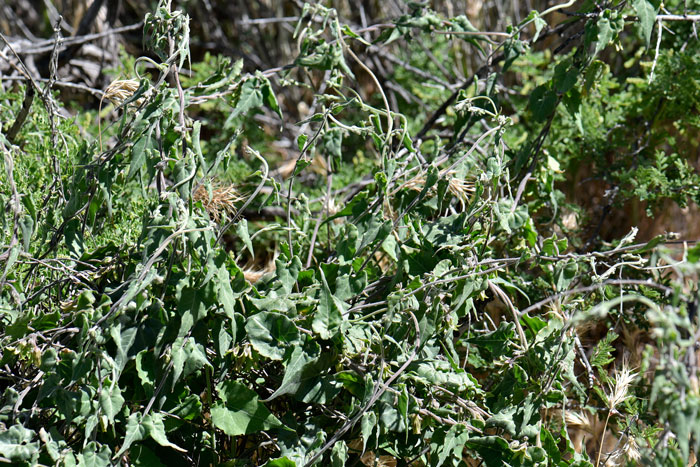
[{"x": 349, "y": 233}]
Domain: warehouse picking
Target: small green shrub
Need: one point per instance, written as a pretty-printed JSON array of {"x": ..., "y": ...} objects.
[{"x": 416, "y": 286}]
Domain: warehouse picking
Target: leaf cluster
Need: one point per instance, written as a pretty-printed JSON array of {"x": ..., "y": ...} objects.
[{"x": 405, "y": 287}]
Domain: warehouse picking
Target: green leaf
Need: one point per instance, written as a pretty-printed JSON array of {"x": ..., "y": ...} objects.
[
  {"x": 156, "y": 429},
  {"x": 94, "y": 457},
  {"x": 646, "y": 12},
  {"x": 16, "y": 444},
  {"x": 242, "y": 231},
  {"x": 142, "y": 456},
  {"x": 196, "y": 357},
  {"x": 241, "y": 413},
  {"x": 565, "y": 274},
  {"x": 542, "y": 102},
  {"x": 390, "y": 247},
  {"x": 329, "y": 313},
  {"x": 140, "y": 152},
  {"x": 694, "y": 254},
  {"x": 654, "y": 242},
  {"x": 111, "y": 401},
  {"x": 281, "y": 462},
  {"x": 539, "y": 25},
  {"x": 146, "y": 370},
  {"x": 73, "y": 236},
  {"x": 451, "y": 444},
  {"x": 271, "y": 334},
  {"x": 604, "y": 30},
  {"x": 223, "y": 339},
  {"x": 348, "y": 285},
  {"x": 339, "y": 454},
  {"x": 287, "y": 274},
  {"x": 494, "y": 450},
  {"x": 316, "y": 389},
  {"x": 300, "y": 367},
  {"x": 26, "y": 225},
  {"x": 512, "y": 49},
  {"x": 331, "y": 143},
  {"x": 551, "y": 246},
  {"x": 124, "y": 339},
  {"x": 408, "y": 142},
  {"x": 269, "y": 95},
  {"x": 301, "y": 141},
  {"x": 367, "y": 424},
  {"x": 188, "y": 408},
  {"x": 225, "y": 295},
  {"x": 565, "y": 77},
  {"x": 49, "y": 359},
  {"x": 496, "y": 342},
  {"x": 462, "y": 24},
  {"x": 300, "y": 165},
  {"x": 29, "y": 206},
  {"x": 188, "y": 356},
  {"x": 192, "y": 306},
  {"x": 249, "y": 97},
  {"x": 605, "y": 34},
  {"x": 138, "y": 427},
  {"x": 602, "y": 352},
  {"x": 12, "y": 258},
  {"x": 135, "y": 431}
]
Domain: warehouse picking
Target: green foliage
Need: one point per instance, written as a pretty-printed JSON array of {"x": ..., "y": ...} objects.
[{"x": 425, "y": 302}]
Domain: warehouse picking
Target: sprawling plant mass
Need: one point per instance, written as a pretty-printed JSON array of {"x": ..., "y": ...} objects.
[{"x": 416, "y": 242}]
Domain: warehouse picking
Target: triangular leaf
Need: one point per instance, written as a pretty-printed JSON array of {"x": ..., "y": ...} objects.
[
  {"x": 271, "y": 334},
  {"x": 241, "y": 413},
  {"x": 111, "y": 401},
  {"x": 135, "y": 431}
]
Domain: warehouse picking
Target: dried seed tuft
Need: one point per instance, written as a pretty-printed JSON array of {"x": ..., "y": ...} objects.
[
  {"x": 220, "y": 203},
  {"x": 120, "y": 90}
]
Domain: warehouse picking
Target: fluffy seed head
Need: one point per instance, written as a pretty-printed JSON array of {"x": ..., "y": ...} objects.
[
  {"x": 459, "y": 188},
  {"x": 620, "y": 385},
  {"x": 220, "y": 202},
  {"x": 120, "y": 90}
]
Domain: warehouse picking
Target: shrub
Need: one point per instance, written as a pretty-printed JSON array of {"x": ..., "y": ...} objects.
[{"x": 424, "y": 281}]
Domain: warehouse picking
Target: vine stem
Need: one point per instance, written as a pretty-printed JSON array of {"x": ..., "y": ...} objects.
[
  {"x": 389, "y": 118},
  {"x": 656, "y": 53},
  {"x": 291, "y": 181},
  {"x": 568, "y": 4},
  {"x": 516, "y": 319}
]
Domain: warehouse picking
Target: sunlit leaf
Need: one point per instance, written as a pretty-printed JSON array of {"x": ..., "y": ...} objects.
[{"x": 240, "y": 412}]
